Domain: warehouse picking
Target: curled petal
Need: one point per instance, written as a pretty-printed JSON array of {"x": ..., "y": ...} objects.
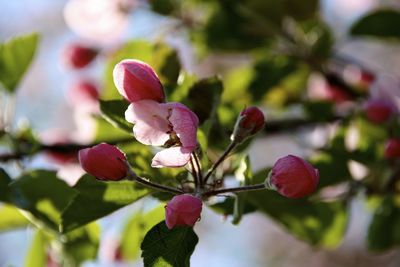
[
  {"x": 151, "y": 122},
  {"x": 171, "y": 157},
  {"x": 184, "y": 123}
]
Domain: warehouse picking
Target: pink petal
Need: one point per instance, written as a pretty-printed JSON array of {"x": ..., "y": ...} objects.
[
  {"x": 151, "y": 123},
  {"x": 184, "y": 123},
  {"x": 171, "y": 157}
]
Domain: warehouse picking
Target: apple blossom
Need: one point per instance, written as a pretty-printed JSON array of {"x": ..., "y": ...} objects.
[
  {"x": 392, "y": 148},
  {"x": 182, "y": 210},
  {"x": 165, "y": 124},
  {"x": 104, "y": 161},
  {"x": 250, "y": 121},
  {"x": 378, "y": 111},
  {"x": 83, "y": 92},
  {"x": 293, "y": 177},
  {"x": 77, "y": 56}
]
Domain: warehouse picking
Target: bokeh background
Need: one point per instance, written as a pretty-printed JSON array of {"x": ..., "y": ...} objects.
[{"x": 258, "y": 241}]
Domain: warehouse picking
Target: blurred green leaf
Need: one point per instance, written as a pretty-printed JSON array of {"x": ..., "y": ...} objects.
[
  {"x": 383, "y": 232},
  {"x": 161, "y": 57},
  {"x": 318, "y": 223},
  {"x": 11, "y": 218},
  {"x": 106, "y": 132},
  {"x": 37, "y": 252},
  {"x": 136, "y": 228},
  {"x": 204, "y": 96},
  {"x": 319, "y": 110},
  {"x": 244, "y": 175},
  {"x": 82, "y": 244},
  {"x": 163, "y": 7},
  {"x": 16, "y": 55},
  {"x": 114, "y": 112},
  {"x": 42, "y": 194},
  {"x": 4, "y": 190},
  {"x": 96, "y": 199},
  {"x": 162, "y": 247},
  {"x": 379, "y": 24}
]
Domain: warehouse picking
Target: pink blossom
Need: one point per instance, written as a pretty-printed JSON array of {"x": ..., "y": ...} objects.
[
  {"x": 104, "y": 161},
  {"x": 165, "y": 124},
  {"x": 293, "y": 177},
  {"x": 136, "y": 81},
  {"x": 78, "y": 56},
  {"x": 250, "y": 121},
  {"x": 392, "y": 148},
  {"x": 379, "y": 111},
  {"x": 183, "y": 210}
]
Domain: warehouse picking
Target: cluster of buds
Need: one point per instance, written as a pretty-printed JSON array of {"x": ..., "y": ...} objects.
[{"x": 173, "y": 125}]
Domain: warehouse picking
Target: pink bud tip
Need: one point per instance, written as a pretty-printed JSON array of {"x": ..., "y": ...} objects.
[
  {"x": 83, "y": 92},
  {"x": 293, "y": 177},
  {"x": 250, "y": 121},
  {"x": 392, "y": 148},
  {"x": 135, "y": 80},
  {"x": 378, "y": 111},
  {"x": 104, "y": 161},
  {"x": 182, "y": 210},
  {"x": 77, "y": 56}
]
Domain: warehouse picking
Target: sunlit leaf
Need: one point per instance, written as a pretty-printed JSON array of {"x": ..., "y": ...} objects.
[
  {"x": 11, "y": 218},
  {"x": 16, "y": 55},
  {"x": 114, "y": 112},
  {"x": 37, "y": 252}
]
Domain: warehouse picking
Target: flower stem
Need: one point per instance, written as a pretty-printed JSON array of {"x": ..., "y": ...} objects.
[
  {"x": 235, "y": 189},
  {"x": 194, "y": 173},
  {"x": 133, "y": 177},
  {"x": 231, "y": 146},
  {"x": 198, "y": 167}
]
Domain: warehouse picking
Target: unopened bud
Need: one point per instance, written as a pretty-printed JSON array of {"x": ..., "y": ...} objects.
[
  {"x": 77, "y": 56},
  {"x": 392, "y": 148},
  {"x": 250, "y": 121},
  {"x": 183, "y": 210},
  {"x": 293, "y": 177},
  {"x": 104, "y": 161},
  {"x": 378, "y": 111}
]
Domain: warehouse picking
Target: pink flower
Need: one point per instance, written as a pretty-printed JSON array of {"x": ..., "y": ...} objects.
[
  {"x": 392, "y": 148},
  {"x": 293, "y": 177},
  {"x": 83, "y": 93},
  {"x": 250, "y": 121},
  {"x": 136, "y": 81},
  {"x": 77, "y": 56},
  {"x": 104, "y": 161},
  {"x": 165, "y": 124},
  {"x": 183, "y": 210},
  {"x": 379, "y": 111}
]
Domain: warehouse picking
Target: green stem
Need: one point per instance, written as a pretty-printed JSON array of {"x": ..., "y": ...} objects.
[{"x": 235, "y": 190}]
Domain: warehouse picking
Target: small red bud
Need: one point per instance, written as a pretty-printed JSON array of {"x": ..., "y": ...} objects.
[
  {"x": 378, "y": 111},
  {"x": 77, "y": 56},
  {"x": 183, "y": 210},
  {"x": 136, "y": 80},
  {"x": 83, "y": 92},
  {"x": 293, "y": 177},
  {"x": 104, "y": 161},
  {"x": 392, "y": 148},
  {"x": 250, "y": 121}
]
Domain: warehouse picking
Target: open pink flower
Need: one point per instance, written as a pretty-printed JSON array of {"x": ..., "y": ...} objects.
[{"x": 165, "y": 124}]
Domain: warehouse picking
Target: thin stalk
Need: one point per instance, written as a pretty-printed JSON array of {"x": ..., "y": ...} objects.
[
  {"x": 231, "y": 146},
  {"x": 198, "y": 167},
  {"x": 235, "y": 189},
  {"x": 133, "y": 177},
  {"x": 195, "y": 174}
]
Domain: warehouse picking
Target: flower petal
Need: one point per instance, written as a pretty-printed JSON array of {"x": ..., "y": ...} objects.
[
  {"x": 184, "y": 123},
  {"x": 151, "y": 122},
  {"x": 171, "y": 157}
]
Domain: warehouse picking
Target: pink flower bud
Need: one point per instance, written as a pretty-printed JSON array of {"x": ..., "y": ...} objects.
[
  {"x": 135, "y": 80},
  {"x": 392, "y": 148},
  {"x": 77, "y": 56},
  {"x": 182, "y": 210},
  {"x": 293, "y": 177},
  {"x": 104, "y": 161},
  {"x": 378, "y": 111},
  {"x": 82, "y": 93},
  {"x": 249, "y": 122}
]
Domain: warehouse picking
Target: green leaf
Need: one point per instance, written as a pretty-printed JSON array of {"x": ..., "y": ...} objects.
[
  {"x": 11, "y": 218},
  {"x": 318, "y": 223},
  {"x": 82, "y": 244},
  {"x": 106, "y": 132},
  {"x": 162, "y": 247},
  {"x": 42, "y": 194},
  {"x": 15, "y": 57},
  {"x": 244, "y": 174},
  {"x": 384, "y": 231},
  {"x": 37, "y": 252},
  {"x": 114, "y": 112},
  {"x": 4, "y": 190},
  {"x": 135, "y": 229},
  {"x": 204, "y": 97},
  {"x": 379, "y": 24},
  {"x": 96, "y": 199}
]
